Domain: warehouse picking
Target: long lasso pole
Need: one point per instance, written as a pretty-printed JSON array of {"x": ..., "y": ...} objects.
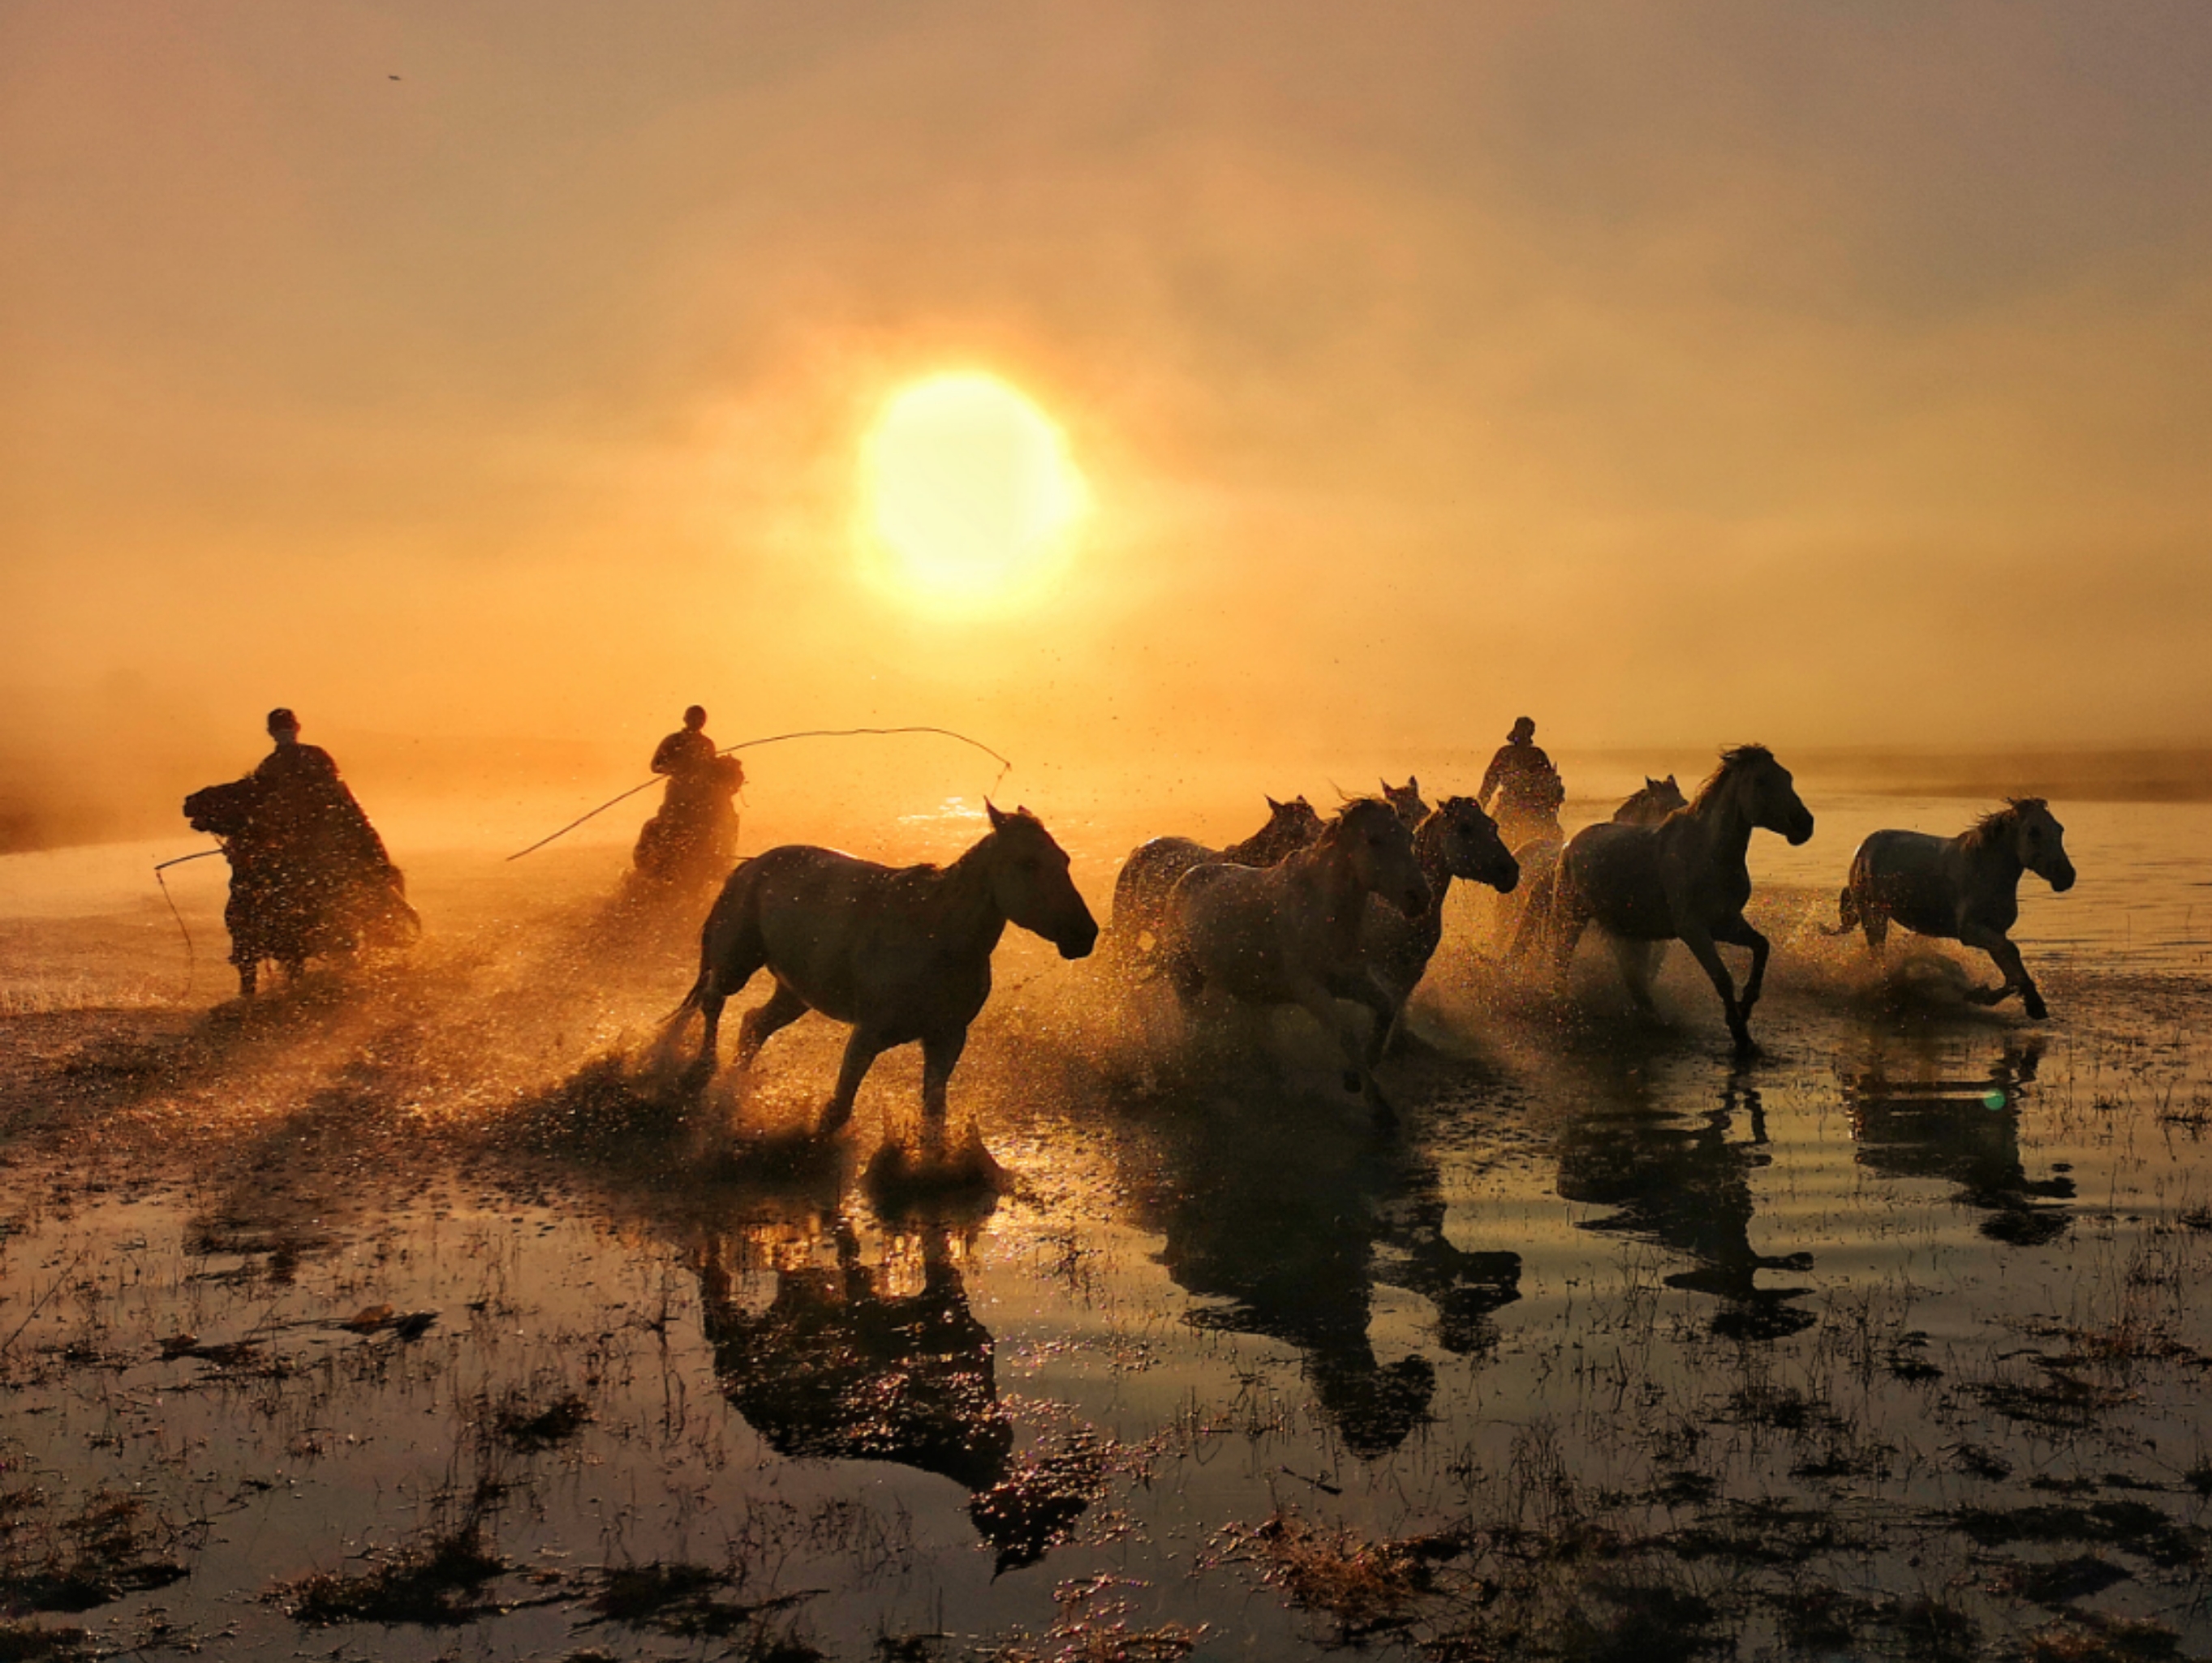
[
  {"x": 192, "y": 958},
  {"x": 1005, "y": 766}
]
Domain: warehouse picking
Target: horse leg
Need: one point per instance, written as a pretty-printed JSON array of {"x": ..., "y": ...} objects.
[
  {"x": 940, "y": 1055},
  {"x": 1536, "y": 915},
  {"x": 860, "y": 1053},
  {"x": 1737, "y": 932},
  {"x": 782, "y": 1008},
  {"x": 2007, "y": 958},
  {"x": 1875, "y": 922},
  {"x": 1360, "y": 988},
  {"x": 1635, "y": 959},
  {"x": 1701, "y": 947},
  {"x": 1321, "y": 1002},
  {"x": 1569, "y": 918},
  {"x": 248, "y": 974}
]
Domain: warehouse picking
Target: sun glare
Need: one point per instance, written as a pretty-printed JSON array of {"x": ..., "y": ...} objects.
[{"x": 970, "y": 491}]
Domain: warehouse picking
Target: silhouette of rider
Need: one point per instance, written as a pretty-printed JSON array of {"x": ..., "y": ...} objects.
[
  {"x": 326, "y": 837},
  {"x": 697, "y": 822},
  {"x": 1521, "y": 777}
]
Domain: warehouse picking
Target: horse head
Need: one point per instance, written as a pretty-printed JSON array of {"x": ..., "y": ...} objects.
[
  {"x": 1406, "y": 800},
  {"x": 1291, "y": 825},
  {"x": 226, "y": 809},
  {"x": 1768, "y": 794},
  {"x": 1368, "y": 834},
  {"x": 1472, "y": 846},
  {"x": 1653, "y": 802},
  {"x": 2039, "y": 841},
  {"x": 1030, "y": 884}
]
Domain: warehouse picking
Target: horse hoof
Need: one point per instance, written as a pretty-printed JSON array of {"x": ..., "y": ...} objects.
[{"x": 2037, "y": 1011}]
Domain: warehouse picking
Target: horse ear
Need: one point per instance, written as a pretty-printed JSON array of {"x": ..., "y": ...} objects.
[
  {"x": 1670, "y": 780},
  {"x": 1413, "y": 784},
  {"x": 998, "y": 819},
  {"x": 1274, "y": 807}
]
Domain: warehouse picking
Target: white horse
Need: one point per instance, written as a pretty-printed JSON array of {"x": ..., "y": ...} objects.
[
  {"x": 1649, "y": 803},
  {"x": 1289, "y": 933},
  {"x": 902, "y": 954},
  {"x": 1964, "y": 888},
  {"x": 1685, "y": 878},
  {"x": 1457, "y": 839},
  {"x": 1140, "y": 889}
]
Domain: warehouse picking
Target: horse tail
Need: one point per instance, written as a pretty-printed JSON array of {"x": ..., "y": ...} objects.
[{"x": 1847, "y": 909}]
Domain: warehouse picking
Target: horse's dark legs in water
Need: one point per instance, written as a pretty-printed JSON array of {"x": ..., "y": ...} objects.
[
  {"x": 782, "y": 1009},
  {"x": 247, "y": 977},
  {"x": 940, "y": 1055},
  {"x": 2007, "y": 959},
  {"x": 860, "y": 1053},
  {"x": 1637, "y": 959},
  {"x": 1320, "y": 1000},
  {"x": 1701, "y": 947},
  {"x": 1361, "y": 988},
  {"x": 1737, "y": 932}
]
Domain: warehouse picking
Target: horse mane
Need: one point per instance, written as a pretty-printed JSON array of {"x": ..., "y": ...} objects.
[
  {"x": 1347, "y": 807},
  {"x": 1998, "y": 822},
  {"x": 1735, "y": 758}
]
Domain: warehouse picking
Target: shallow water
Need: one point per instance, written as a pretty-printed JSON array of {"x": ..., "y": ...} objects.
[{"x": 1837, "y": 1352}]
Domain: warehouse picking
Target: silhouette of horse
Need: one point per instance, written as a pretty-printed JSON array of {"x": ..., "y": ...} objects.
[
  {"x": 294, "y": 897},
  {"x": 1406, "y": 799},
  {"x": 1684, "y": 880},
  {"x": 1141, "y": 889},
  {"x": 1457, "y": 839},
  {"x": 1538, "y": 858},
  {"x": 902, "y": 954},
  {"x": 1964, "y": 888},
  {"x": 1289, "y": 933}
]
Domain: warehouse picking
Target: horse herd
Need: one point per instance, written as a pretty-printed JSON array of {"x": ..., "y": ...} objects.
[{"x": 1320, "y": 913}]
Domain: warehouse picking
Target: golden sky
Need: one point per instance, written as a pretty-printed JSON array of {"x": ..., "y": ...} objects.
[{"x": 1816, "y": 373}]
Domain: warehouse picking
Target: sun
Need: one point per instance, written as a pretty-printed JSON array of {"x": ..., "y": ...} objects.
[{"x": 968, "y": 493}]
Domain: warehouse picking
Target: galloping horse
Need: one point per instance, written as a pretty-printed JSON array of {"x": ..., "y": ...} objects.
[
  {"x": 1539, "y": 857},
  {"x": 902, "y": 954},
  {"x": 1685, "y": 878},
  {"x": 1289, "y": 933},
  {"x": 1406, "y": 799},
  {"x": 1141, "y": 889},
  {"x": 1964, "y": 888},
  {"x": 1457, "y": 839}
]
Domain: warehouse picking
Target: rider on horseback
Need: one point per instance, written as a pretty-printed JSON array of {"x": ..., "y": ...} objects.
[
  {"x": 1528, "y": 787},
  {"x": 695, "y": 831}
]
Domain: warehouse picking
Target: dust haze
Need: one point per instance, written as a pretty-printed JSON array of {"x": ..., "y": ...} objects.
[{"x": 489, "y": 386}]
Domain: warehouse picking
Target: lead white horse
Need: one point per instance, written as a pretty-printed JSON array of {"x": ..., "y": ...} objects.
[
  {"x": 904, "y": 954},
  {"x": 1289, "y": 933},
  {"x": 1964, "y": 888}
]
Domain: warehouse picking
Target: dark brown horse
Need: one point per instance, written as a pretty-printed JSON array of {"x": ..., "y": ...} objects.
[
  {"x": 904, "y": 954},
  {"x": 1964, "y": 888},
  {"x": 1684, "y": 880}
]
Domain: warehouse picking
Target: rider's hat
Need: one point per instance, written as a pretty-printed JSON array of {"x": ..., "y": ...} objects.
[
  {"x": 695, "y": 716},
  {"x": 1524, "y": 727},
  {"x": 282, "y": 718}
]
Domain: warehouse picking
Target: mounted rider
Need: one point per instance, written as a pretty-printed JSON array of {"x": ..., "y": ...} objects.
[
  {"x": 308, "y": 874},
  {"x": 1527, "y": 785},
  {"x": 694, "y": 833}
]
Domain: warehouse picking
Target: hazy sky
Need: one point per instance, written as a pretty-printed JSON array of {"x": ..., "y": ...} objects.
[{"x": 1810, "y": 372}]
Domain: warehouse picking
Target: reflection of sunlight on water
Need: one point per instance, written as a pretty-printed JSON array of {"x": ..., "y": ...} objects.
[{"x": 945, "y": 811}]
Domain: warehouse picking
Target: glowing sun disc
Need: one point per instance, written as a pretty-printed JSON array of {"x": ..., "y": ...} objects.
[{"x": 968, "y": 487}]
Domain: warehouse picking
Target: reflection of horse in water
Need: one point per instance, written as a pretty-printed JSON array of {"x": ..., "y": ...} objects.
[
  {"x": 835, "y": 1367},
  {"x": 1289, "y": 933},
  {"x": 1684, "y": 880},
  {"x": 1915, "y": 1117},
  {"x": 1457, "y": 839},
  {"x": 1140, "y": 889},
  {"x": 1524, "y": 917},
  {"x": 1685, "y": 1188},
  {"x": 306, "y": 881},
  {"x": 1964, "y": 888},
  {"x": 902, "y": 954},
  {"x": 1287, "y": 1230}
]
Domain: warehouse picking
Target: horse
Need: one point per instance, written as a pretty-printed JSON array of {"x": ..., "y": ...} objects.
[
  {"x": 1457, "y": 839},
  {"x": 1406, "y": 800},
  {"x": 295, "y": 894},
  {"x": 902, "y": 954},
  {"x": 1141, "y": 889},
  {"x": 1963, "y": 888},
  {"x": 1539, "y": 857},
  {"x": 1289, "y": 933},
  {"x": 1684, "y": 880}
]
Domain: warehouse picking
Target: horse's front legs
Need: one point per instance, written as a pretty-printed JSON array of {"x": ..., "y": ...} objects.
[
  {"x": 860, "y": 1053},
  {"x": 1358, "y": 985},
  {"x": 1737, "y": 932},
  {"x": 2006, "y": 956},
  {"x": 1318, "y": 998},
  {"x": 941, "y": 1054},
  {"x": 782, "y": 1008},
  {"x": 1700, "y": 943}
]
